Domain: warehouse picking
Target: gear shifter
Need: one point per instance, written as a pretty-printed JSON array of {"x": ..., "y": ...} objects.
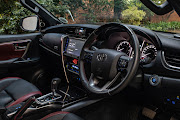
[{"x": 54, "y": 85}]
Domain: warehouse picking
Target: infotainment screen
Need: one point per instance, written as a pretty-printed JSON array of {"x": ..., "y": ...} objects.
[{"x": 74, "y": 47}]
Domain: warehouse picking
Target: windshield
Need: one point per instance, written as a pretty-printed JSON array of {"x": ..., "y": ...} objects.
[{"x": 103, "y": 11}]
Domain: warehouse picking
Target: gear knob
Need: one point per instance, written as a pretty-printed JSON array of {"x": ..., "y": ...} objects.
[{"x": 54, "y": 84}]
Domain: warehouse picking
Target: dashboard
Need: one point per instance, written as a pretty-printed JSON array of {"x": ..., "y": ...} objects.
[
  {"x": 148, "y": 50},
  {"x": 159, "y": 69},
  {"x": 156, "y": 50},
  {"x": 111, "y": 39}
]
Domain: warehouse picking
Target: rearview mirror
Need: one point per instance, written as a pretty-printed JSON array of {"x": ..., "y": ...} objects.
[
  {"x": 158, "y": 9},
  {"x": 30, "y": 23}
]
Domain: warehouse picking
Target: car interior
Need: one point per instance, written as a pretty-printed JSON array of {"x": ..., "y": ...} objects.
[{"x": 113, "y": 71}]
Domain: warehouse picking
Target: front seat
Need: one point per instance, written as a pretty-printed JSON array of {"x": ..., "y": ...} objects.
[
  {"x": 14, "y": 90},
  {"x": 61, "y": 116}
]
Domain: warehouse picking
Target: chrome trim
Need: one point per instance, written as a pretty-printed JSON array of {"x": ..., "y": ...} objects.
[
  {"x": 65, "y": 93},
  {"x": 167, "y": 64},
  {"x": 27, "y": 48},
  {"x": 101, "y": 57},
  {"x": 39, "y": 102}
]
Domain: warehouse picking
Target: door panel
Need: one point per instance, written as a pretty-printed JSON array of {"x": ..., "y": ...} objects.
[
  {"x": 18, "y": 52},
  {"x": 14, "y": 49}
]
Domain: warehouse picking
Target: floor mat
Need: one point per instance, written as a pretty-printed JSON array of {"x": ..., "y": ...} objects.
[{"x": 114, "y": 108}]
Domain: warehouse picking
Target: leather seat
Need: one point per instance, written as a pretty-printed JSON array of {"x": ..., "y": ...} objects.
[
  {"x": 61, "y": 116},
  {"x": 14, "y": 90}
]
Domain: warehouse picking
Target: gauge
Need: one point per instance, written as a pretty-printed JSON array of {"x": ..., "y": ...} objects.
[
  {"x": 125, "y": 47},
  {"x": 149, "y": 52}
]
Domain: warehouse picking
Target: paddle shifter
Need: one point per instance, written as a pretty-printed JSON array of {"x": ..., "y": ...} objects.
[{"x": 54, "y": 85}]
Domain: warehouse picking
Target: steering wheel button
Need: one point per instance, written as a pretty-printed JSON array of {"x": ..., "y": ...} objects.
[
  {"x": 122, "y": 63},
  {"x": 177, "y": 97},
  {"x": 173, "y": 102}
]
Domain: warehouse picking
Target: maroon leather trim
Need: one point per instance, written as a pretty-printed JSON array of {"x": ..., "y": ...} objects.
[
  {"x": 8, "y": 51},
  {"x": 53, "y": 114},
  {"x": 10, "y": 77},
  {"x": 25, "y": 97}
]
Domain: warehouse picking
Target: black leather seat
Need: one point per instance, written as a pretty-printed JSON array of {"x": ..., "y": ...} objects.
[
  {"x": 14, "y": 90},
  {"x": 61, "y": 116}
]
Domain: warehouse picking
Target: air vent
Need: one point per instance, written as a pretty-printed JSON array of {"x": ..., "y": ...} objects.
[
  {"x": 172, "y": 58},
  {"x": 70, "y": 30}
]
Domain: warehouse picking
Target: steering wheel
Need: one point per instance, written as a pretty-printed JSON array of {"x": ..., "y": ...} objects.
[{"x": 110, "y": 70}]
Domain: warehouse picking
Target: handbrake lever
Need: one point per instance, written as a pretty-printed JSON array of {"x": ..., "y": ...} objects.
[{"x": 19, "y": 114}]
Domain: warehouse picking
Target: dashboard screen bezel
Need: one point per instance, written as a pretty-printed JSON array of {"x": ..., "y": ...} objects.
[{"x": 74, "y": 55}]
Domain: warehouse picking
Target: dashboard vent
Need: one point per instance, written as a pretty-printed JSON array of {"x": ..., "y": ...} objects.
[
  {"x": 172, "y": 58},
  {"x": 70, "y": 30}
]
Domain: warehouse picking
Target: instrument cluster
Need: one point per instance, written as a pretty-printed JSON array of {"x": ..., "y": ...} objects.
[{"x": 148, "y": 51}]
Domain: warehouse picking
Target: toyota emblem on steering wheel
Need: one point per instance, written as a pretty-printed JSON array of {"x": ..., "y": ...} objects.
[{"x": 101, "y": 57}]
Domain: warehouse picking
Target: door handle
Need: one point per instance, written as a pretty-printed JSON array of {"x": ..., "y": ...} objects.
[{"x": 20, "y": 47}]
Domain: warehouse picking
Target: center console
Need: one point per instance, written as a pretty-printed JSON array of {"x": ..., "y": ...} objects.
[
  {"x": 62, "y": 97},
  {"x": 72, "y": 50},
  {"x": 72, "y": 91}
]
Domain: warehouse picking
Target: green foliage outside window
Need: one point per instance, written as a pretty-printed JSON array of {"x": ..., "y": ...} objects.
[
  {"x": 133, "y": 16},
  {"x": 10, "y": 14},
  {"x": 95, "y": 8},
  {"x": 164, "y": 26},
  {"x": 54, "y": 6},
  {"x": 141, "y": 6}
]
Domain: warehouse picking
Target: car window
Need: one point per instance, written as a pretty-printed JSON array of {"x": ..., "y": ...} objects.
[
  {"x": 11, "y": 12},
  {"x": 91, "y": 12},
  {"x": 104, "y": 11}
]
